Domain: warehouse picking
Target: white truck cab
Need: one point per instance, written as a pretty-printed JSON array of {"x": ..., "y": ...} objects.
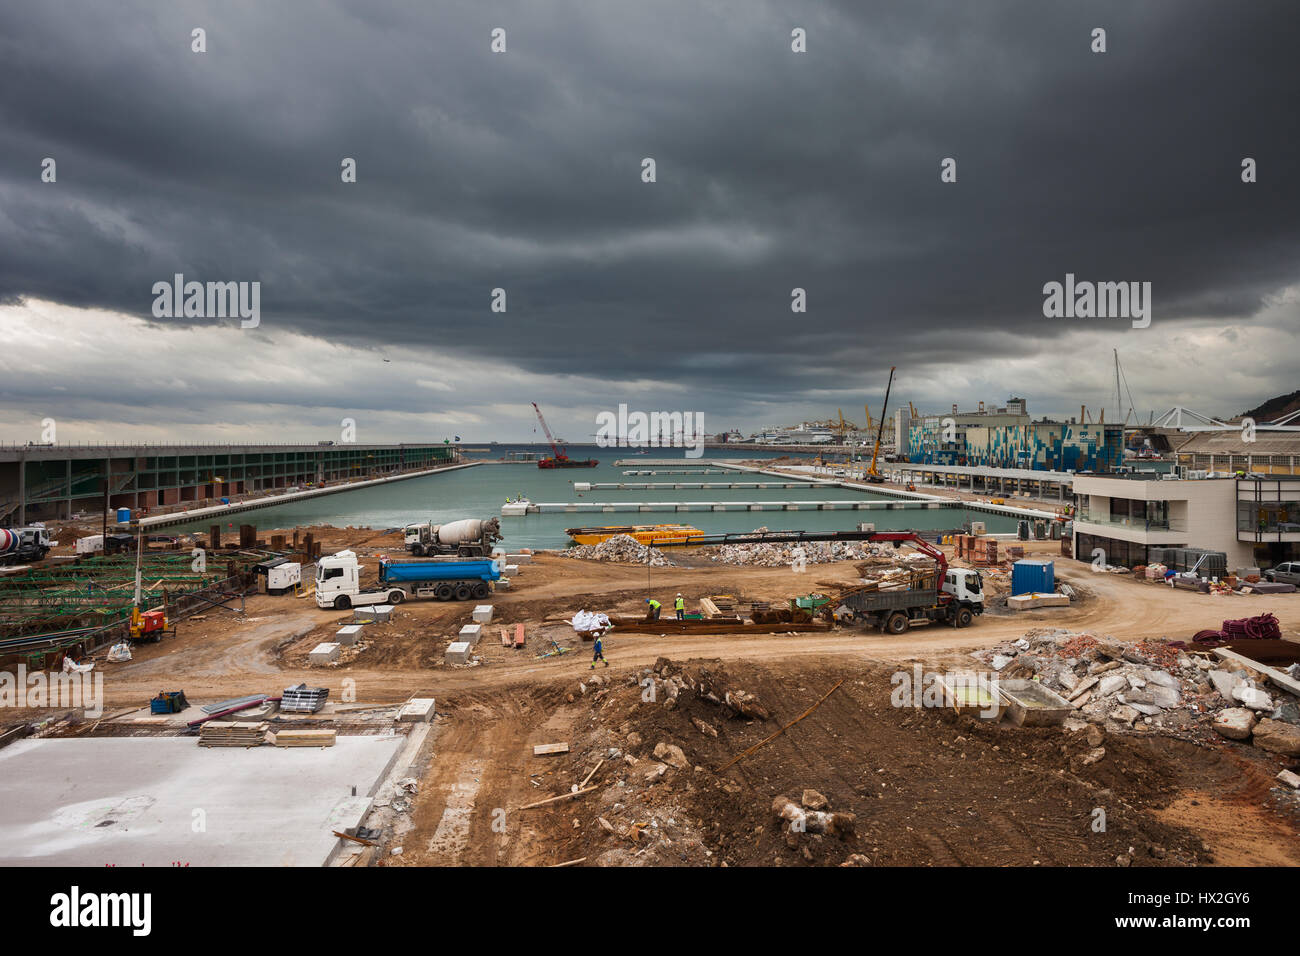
[
  {"x": 338, "y": 584},
  {"x": 965, "y": 585}
]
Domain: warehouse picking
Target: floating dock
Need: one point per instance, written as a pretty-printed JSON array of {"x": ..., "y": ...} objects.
[
  {"x": 680, "y": 471},
  {"x": 687, "y": 485},
  {"x": 856, "y": 504}
]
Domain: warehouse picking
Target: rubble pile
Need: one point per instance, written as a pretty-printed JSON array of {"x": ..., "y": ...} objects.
[
  {"x": 620, "y": 549},
  {"x": 812, "y": 552},
  {"x": 638, "y": 818},
  {"x": 1165, "y": 688}
]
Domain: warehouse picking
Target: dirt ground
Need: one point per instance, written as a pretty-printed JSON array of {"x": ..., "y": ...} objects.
[{"x": 926, "y": 788}]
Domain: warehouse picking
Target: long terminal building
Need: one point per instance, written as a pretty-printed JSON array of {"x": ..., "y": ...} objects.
[{"x": 58, "y": 482}]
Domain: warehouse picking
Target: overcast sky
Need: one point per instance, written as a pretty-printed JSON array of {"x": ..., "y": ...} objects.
[{"x": 522, "y": 170}]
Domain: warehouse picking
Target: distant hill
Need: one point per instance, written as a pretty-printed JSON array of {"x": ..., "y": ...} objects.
[{"x": 1275, "y": 407}]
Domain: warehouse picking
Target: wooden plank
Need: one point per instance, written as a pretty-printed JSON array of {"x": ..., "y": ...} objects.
[
  {"x": 1285, "y": 681},
  {"x": 543, "y": 750},
  {"x": 519, "y": 635},
  {"x": 563, "y": 796}
]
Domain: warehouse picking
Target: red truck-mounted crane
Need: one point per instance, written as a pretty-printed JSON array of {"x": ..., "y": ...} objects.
[{"x": 559, "y": 458}]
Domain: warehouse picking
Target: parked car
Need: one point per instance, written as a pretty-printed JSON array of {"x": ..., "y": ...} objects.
[{"x": 1285, "y": 573}]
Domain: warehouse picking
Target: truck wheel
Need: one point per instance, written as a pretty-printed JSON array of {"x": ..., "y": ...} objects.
[
  {"x": 463, "y": 592},
  {"x": 481, "y": 590},
  {"x": 465, "y": 552},
  {"x": 396, "y": 597},
  {"x": 444, "y": 592},
  {"x": 341, "y": 603},
  {"x": 965, "y": 617},
  {"x": 417, "y": 550},
  {"x": 897, "y": 623}
]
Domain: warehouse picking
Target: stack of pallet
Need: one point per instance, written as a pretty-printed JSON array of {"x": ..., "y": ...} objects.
[
  {"x": 315, "y": 737},
  {"x": 232, "y": 733},
  {"x": 985, "y": 553},
  {"x": 1015, "y": 553},
  {"x": 303, "y": 699}
]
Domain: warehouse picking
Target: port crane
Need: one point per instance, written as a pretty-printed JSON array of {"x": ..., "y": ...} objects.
[{"x": 873, "y": 475}]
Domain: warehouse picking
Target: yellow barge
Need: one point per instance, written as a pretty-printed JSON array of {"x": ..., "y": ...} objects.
[{"x": 643, "y": 533}]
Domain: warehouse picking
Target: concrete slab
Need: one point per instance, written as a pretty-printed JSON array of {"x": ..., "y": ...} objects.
[
  {"x": 135, "y": 800},
  {"x": 519, "y": 559},
  {"x": 416, "y": 710},
  {"x": 348, "y": 636},
  {"x": 510, "y": 570},
  {"x": 324, "y": 653},
  {"x": 458, "y": 653},
  {"x": 471, "y": 633},
  {"x": 483, "y": 614},
  {"x": 1028, "y": 602}
]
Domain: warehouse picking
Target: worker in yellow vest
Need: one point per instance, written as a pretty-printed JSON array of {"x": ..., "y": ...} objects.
[
  {"x": 680, "y": 606},
  {"x": 655, "y": 608}
]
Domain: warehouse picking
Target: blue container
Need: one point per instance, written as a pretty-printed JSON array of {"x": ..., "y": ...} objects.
[
  {"x": 225, "y": 501},
  {"x": 1029, "y": 575},
  {"x": 123, "y": 515}
]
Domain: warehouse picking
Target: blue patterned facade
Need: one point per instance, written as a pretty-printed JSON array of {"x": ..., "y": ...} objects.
[{"x": 1044, "y": 446}]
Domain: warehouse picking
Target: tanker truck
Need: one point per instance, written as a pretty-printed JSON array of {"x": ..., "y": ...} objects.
[
  {"x": 469, "y": 537},
  {"x": 23, "y": 544},
  {"x": 338, "y": 580}
]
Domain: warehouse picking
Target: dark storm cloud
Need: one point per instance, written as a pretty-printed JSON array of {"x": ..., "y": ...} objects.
[{"x": 775, "y": 170}]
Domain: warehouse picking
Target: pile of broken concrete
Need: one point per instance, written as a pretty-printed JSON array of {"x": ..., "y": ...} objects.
[
  {"x": 620, "y": 549},
  {"x": 1120, "y": 684}
]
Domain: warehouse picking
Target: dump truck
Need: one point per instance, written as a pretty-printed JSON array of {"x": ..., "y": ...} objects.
[
  {"x": 338, "y": 581},
  {"x": 468, "y": 538},
  {"x": 18, "y": 545},
  {"x": 951, "y": 595}
]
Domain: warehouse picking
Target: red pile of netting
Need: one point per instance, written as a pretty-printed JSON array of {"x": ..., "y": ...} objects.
[{"x": 1264, "y": 627}]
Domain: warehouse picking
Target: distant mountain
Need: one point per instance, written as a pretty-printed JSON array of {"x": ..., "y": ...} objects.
[{"x": 1275, "y": 407}]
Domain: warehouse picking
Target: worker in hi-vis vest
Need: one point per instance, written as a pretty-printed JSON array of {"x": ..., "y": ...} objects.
[
  {"x": 655, "y": 608},
  {"x": 680, "y": 606},
  {"x": 598, "y": 653}
]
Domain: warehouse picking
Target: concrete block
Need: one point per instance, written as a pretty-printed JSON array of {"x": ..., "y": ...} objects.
[
  {"x": 510, "y": 570},
  {"x": 519, "y": 559},
  {"x": 458, "y": 653},
  {"x": 483, "y": 614},
  {"x": 349, "y": 635},
  {"x": 416, "y": 711},
  {"x": 1028, "y": 602},
  {"x": 375, "y": 614},
  {"x": 470, "y": 634},
  {"x": 1224, "y": 682},
  {"x": 324, "y": 653}
]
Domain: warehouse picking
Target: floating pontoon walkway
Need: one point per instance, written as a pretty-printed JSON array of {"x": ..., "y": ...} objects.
[
  {"x": 691, "y": 485},
  {"x": 856, "y": 504}
]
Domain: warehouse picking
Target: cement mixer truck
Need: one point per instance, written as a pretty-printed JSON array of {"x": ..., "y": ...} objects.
[
  {"x": 469, "y": 537},
  {"x": 23, "y": 544}
]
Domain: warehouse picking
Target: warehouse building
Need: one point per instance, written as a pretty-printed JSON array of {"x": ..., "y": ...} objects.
[{"x": 44, "y": 482}]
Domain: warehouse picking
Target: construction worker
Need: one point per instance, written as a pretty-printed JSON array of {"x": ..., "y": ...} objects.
[
  {"x": 598, "y": 653},
  {"x": 655, "y": 608},
  {"x": 679, "y": 606}
]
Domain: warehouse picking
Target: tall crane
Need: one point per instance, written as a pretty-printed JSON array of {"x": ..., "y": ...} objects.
[
  {"x": 556, "y": 450},
  {"x": 872, "y": 473},
  {"x": 559, "y": 456}
]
